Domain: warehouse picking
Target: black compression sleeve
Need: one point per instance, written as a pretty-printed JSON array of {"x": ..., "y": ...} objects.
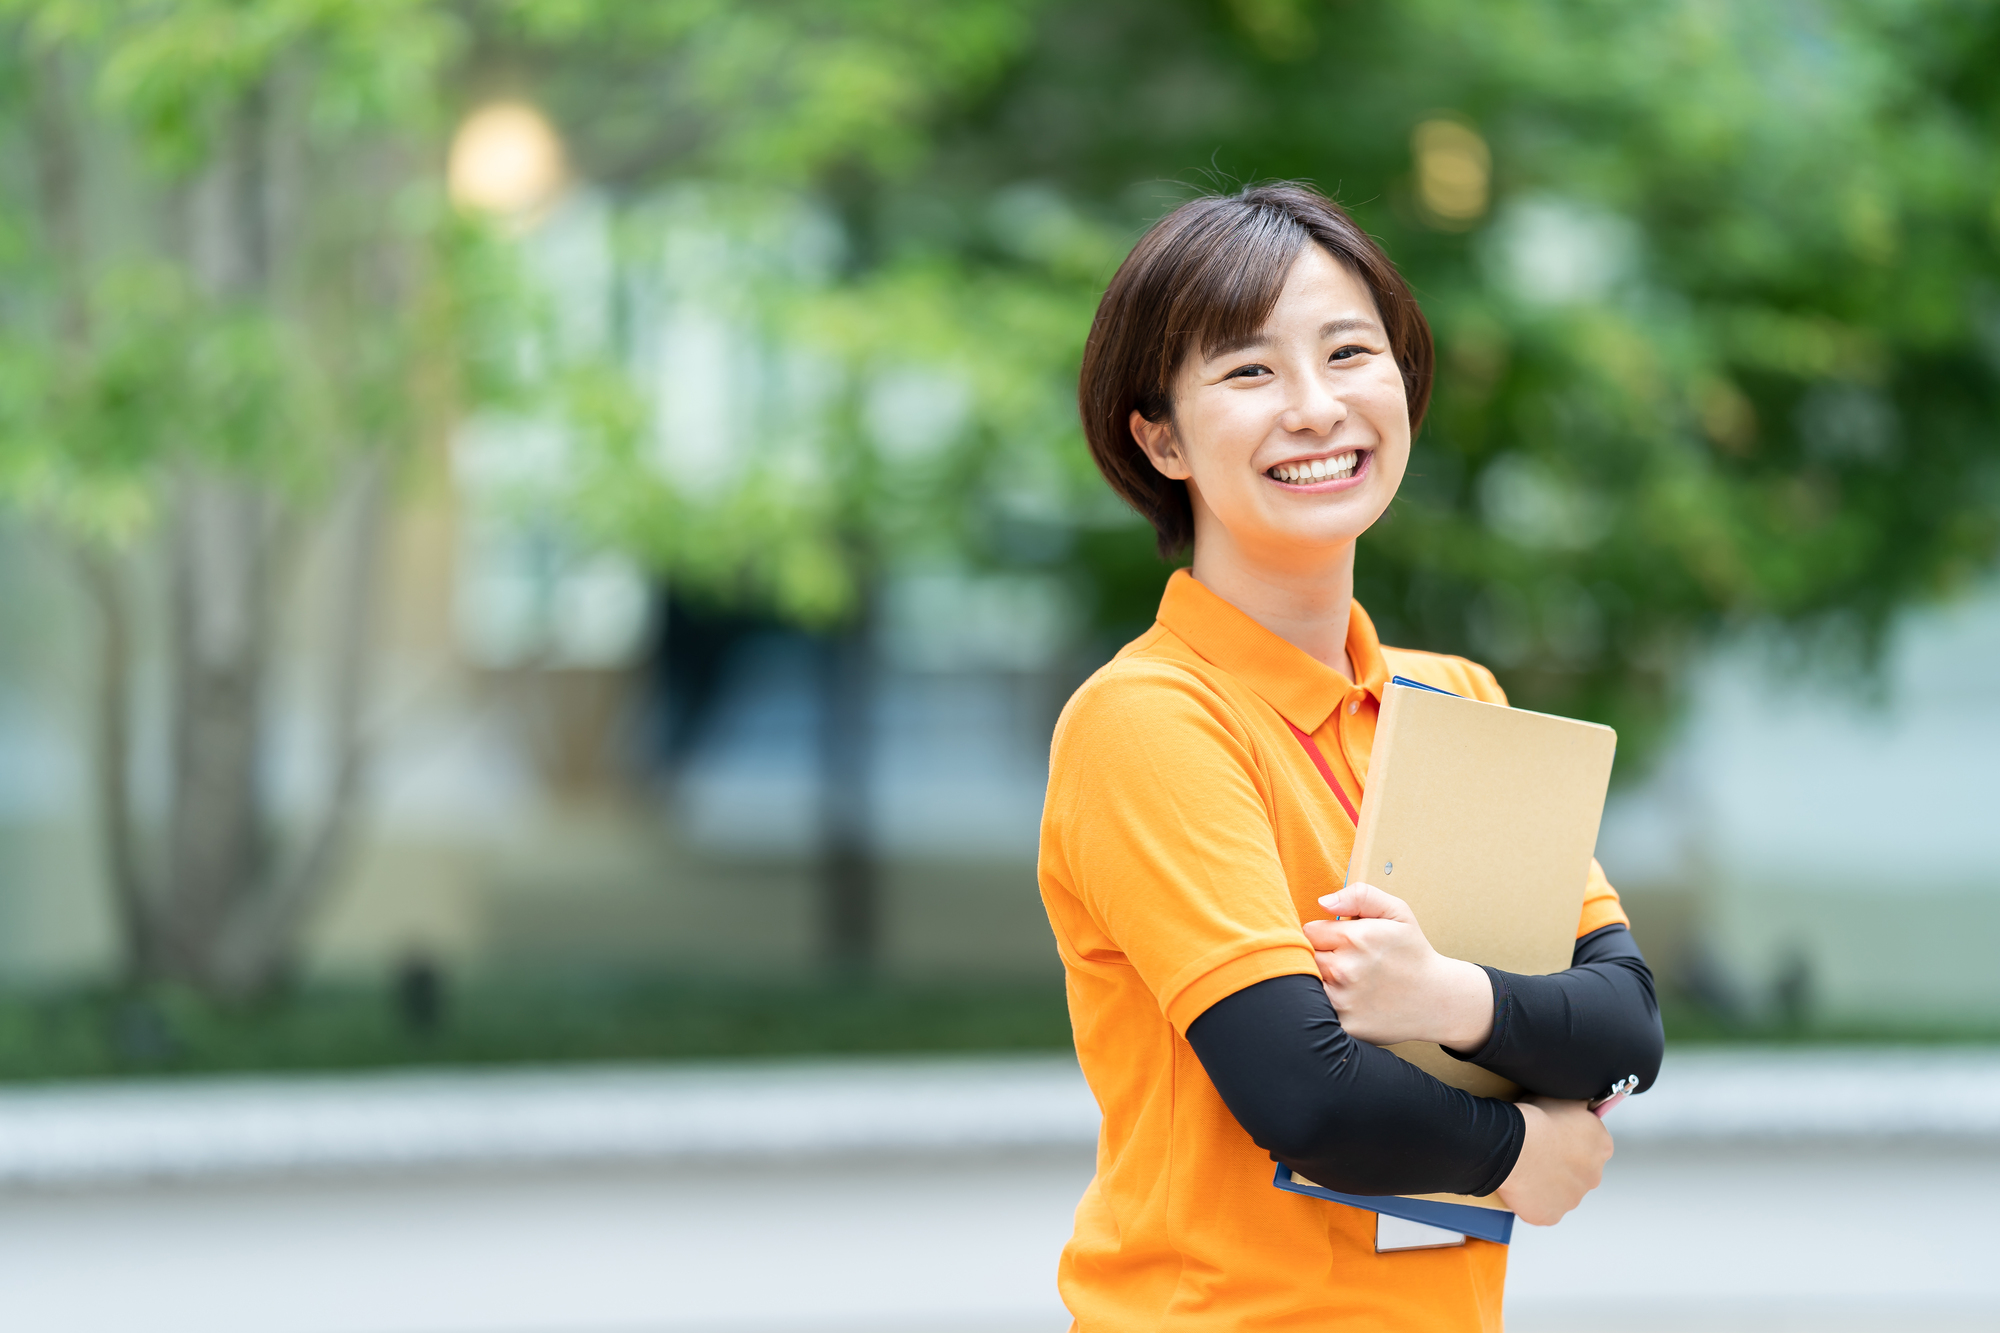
[
  {"x": 1342, "y": 1113},
  {"x": 1575, "y": 1033}
]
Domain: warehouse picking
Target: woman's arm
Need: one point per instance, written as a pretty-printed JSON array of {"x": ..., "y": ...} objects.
[
  {"x": 1353, "y": 1117},
  {"x": 1573, "y": 1034},
  {"x": 1340, "y": 1112}
]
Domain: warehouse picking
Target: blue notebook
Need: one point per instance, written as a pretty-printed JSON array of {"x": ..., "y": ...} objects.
[
  {"x": 1485, "y": 1223},
  {"x": 1419, "y": 685}
]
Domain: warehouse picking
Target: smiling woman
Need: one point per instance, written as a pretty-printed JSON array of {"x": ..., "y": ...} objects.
[
  {"x": 1251, "y": 385},
  {"x": 1212, "y": 273}
]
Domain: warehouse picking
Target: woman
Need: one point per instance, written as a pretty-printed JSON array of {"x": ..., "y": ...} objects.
[{"x": 1251, "y": 384}]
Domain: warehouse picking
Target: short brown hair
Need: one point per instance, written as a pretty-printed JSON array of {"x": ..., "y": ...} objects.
[{"x": 1210, "y": 272}]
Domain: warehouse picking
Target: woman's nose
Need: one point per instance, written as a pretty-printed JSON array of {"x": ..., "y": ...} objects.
[{"x": 1315, "y": 407}]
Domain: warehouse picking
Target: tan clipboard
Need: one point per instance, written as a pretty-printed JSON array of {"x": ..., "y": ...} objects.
[{"x": 1483, "y": 818}]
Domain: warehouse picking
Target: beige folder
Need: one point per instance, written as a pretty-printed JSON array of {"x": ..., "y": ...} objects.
[{"x": 1483, "y": 818}]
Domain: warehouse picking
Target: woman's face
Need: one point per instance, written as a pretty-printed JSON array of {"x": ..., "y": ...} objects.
[{"x": 1293, "y": 444}]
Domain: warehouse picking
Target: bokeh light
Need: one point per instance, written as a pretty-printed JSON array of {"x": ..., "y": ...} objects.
[
  {"x": 1454, "y": 172},
  {"x": 507, "y": 159}
]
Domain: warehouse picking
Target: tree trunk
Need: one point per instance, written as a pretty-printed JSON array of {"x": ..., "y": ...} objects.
[
  {"x": 217, "y": 847},
  {"x": 219, "y": 547},
  {"x": 255, "y": 950},
  {"x": 849, "y": 878},
  {"x": 111, "y": 764}
]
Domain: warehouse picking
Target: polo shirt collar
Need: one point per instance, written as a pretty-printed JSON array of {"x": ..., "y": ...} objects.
[{"x": 1304, "y": 690}]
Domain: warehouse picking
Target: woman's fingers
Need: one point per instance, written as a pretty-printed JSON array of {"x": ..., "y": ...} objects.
[
  {"x": 1327, "y": 935},
  {"x": 1379, "y": 933},
  {"x": 1353, "y": 959},
  {"x": 1562, "y": 1159},
  {"x": 1366, "y": 900}
]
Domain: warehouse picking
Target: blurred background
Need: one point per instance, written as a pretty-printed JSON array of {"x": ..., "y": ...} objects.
[{"x": 548, "y": 531}]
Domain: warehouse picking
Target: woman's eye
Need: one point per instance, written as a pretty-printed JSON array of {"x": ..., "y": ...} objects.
[
  {"x": 1246, "y": 372},
  {"x": 1348, "y": 353}
]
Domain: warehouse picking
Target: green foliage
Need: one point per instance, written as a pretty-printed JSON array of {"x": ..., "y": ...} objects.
[
  {"x": 1720, "y": 348},
  {"x": 1780, "y": 407},
  {"x": 1723, "y": 347},
  {"x": 556, "y": 1019},
  {"x": 822, "y": 501},
  {"x": 789, "y": 117},
  {"x": 168, "y": 377},
  {"x": 371, "y": 308},
  {"x": 775, "y": 91},
  {"x": 549, "y": 1020},
  {"x": 172, "y": 69}
]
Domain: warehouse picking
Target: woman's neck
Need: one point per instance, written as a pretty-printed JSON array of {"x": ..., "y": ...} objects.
[{"x": 1307, "y": 604}]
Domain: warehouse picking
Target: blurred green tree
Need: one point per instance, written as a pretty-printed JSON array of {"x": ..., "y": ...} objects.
[
  {"x": 1716, "y": 289},
  {"x": 744, "y": 150},
  {"x": 239, "y": 298},
  {"x": 228, "y": 318}
]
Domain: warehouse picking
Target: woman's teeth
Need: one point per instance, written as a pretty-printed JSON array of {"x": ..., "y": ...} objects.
[{"x": 1319, "y": 469}]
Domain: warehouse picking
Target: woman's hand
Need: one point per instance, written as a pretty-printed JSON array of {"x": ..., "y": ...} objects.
[
  {"x": 1562, "y": 1159},
  {"x": 1386, "y": 982}
]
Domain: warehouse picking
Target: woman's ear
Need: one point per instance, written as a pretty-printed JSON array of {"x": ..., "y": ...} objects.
[{"x": 1161, "y": 445}]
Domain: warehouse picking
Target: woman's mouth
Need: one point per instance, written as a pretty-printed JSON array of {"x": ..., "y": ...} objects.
[{"x": 1318, "y": 471}]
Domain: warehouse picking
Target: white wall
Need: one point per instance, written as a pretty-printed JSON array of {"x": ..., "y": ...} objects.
[{"x": 1848, "y": 827}]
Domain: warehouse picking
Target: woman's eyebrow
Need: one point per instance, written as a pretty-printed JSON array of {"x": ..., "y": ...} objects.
[
  {"x": 1231, "y": 346},
  {"x": 1333, "y": 328}
]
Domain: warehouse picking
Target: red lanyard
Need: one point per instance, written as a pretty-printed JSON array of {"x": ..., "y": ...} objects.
[{"x": 1319, "y": 762}]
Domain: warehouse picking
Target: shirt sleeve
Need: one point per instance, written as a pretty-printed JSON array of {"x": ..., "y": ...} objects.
[
  {"x": 1575, "y": 1033},
  {"x": 1342, "y": 1113},
  {"x": 1601, "y": 907},
  {"x": 1162, "y": 810}
]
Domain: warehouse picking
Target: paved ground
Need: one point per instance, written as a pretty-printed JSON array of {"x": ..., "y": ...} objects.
[
  {"x": 885, "y": 1245},
  {"x": 1819, "y": 1228},
  {"x": 1839, "y": 1238}
]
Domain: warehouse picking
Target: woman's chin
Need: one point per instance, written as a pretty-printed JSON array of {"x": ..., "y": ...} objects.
[
  {"x": 1305, "y": 544},
  {"x": 1322, "y": 523}
]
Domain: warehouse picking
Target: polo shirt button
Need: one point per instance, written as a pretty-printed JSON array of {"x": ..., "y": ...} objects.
[{"x": 1353, "y": 706}]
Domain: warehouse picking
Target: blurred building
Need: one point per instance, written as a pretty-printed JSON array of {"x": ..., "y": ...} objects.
[
  {"x": 1803, "y": 850},
  {"x": 552, "y": 811},
  {"x": 1817, "y": 849}
]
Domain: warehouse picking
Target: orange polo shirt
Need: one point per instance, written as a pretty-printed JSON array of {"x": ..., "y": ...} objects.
[{"x": 1185, "y": 840}]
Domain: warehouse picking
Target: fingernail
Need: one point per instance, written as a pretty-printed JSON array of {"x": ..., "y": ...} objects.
[{"x": 1329, "y": 899}]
